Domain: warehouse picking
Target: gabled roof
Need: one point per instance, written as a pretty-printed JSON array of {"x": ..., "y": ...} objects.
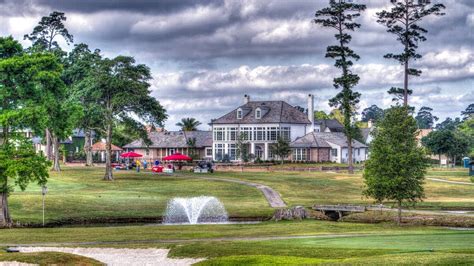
[
  {"x": 323, "y": 140},
  {"x": 333, "y": 124},
  {"x": 365, "y": 132},
  {"x": 174, "y": 139},
  {"x": 272, "y": 112},
  {"x": 100, "y": 146}
]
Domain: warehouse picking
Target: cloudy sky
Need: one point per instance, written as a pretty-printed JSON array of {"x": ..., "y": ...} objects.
[{"x": 205, "y": 55}]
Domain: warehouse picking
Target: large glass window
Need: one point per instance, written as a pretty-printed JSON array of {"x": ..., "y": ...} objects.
[
  {"x": 219, "y": 133},
  {"x": 246, "y": 133},
  {"x": 232, "y": 152},
  {"x": 219, "y": 151},
  {"x": 231, "y": 133},
  {"x": 273, "y": 133},
  {"x": 259, "y": 133},
  {"x": 285, "y": 133},
  {"x": 334, "y": 152},
  {"x": 300, "y": 154}
]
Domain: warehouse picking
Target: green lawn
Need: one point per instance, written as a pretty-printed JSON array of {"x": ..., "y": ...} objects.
[
  {"x": 332, "y": 242},
  {"x": 79, "y": 194}
]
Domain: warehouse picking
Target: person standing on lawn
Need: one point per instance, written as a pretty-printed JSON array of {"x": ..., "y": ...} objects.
[{"x": 138, "y": 165}]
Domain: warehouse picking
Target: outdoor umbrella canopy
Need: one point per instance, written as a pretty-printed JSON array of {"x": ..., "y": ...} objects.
[
  {"x": 130, "y": 155},
  {"x": 177, "y": 157}
]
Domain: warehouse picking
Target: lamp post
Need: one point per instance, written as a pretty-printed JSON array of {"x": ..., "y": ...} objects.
[{"x": 44, "y": 190}]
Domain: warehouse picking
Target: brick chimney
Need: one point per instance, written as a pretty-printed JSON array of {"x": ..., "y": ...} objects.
[{"x": 246, "y": 98}]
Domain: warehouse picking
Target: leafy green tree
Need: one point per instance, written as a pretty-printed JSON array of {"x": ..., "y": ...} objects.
[
  {"x": 448, "y": 124},
  {"x": 191, "y": 142},
  {"x": 469, "y": 112},
  {"x": 24, "y": 81},
  {"x": 281, "y": 149},
  {"x": 242, "y": 150},
  {"x": 340, "y": 16},
  {"x": 466, "y": 128},
  {"x": 425, "y": 119},
  {"x": 43, "y": 39},
  {"x": 120, "y": 90},
  {"x": 403, "y": 21},
  {"x": 188, "y": 124},
  {"x": 44, "y": 34},
  {"x": 320, "y": 115},
  {"x": 373, "y": 113},
  {"x": 397, "y": 165},
  {"x": 439, "y": 142},
  {"x": 78, "y": 65}
]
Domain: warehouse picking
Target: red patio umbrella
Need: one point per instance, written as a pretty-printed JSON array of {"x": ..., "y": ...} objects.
[
  {"x": 130, "y": 155},
  {"x": 177, "y": 157}
]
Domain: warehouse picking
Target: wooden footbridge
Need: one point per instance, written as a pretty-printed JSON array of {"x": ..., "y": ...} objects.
[{"x": 336, "y": 212}]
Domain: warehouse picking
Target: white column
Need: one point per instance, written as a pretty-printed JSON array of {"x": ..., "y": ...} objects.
[
  {"x": 265, "y": 151},
  {"x": 252, "y": 148}
]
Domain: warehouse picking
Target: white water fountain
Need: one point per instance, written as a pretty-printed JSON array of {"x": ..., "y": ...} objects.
[{"x": 202, "y": 209}]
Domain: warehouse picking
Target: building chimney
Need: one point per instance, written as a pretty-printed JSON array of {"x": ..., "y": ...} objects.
[
  {"x": 311, "y": 112},
  {"x": 246, "y": 99}
]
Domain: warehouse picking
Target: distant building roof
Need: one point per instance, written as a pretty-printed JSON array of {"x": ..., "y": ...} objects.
[
  {"x": 174, "y": 139},
  {"x": 423, "y": 133},
  {"x": 272, "y": 112},
  {"x": 100, "y": 146},
  {"x": 333, "y": 124},
  {"x": 365, "y": 132},
  {"x": 323, "y": 140}
]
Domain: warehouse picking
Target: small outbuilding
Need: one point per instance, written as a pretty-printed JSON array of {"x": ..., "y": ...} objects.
[
  {"x": 98, "y": 149},
  {"x": 471, "y": 168}
]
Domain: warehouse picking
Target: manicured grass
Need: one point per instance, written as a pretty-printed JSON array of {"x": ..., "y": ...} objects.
[
  {"x": 48, "y": 258},
  {"x": 81, "y": 194},
  {"x": 309, "y": 188},
  {"x": 172, "y": 232},
  {"x": 404, "y": 249}
]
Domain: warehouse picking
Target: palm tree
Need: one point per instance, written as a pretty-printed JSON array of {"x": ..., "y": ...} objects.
[{"x": 188, "y": 124}]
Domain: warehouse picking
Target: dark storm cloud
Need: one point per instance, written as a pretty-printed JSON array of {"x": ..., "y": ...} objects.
[{"x": 206, "y": 54}]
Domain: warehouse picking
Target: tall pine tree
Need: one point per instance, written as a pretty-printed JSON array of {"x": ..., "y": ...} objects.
[
  {"x": 403, "y": 21},
  {"x": 340, "y": 16}
]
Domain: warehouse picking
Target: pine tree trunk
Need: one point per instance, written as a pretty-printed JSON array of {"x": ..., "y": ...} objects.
[
  {"x": 48, "y": 145},
  {"x": 88, "y": 147},
  {"x": 5, "y": 219},
  {"x": 56, "y": 166},
  {"x": 399, "y": 216},
  {"x": 108, "y": 154}
]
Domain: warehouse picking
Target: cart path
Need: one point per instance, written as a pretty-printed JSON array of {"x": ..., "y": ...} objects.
[
  {"x": 272, "y": 196},
  {"x": 449, "y": 182}
]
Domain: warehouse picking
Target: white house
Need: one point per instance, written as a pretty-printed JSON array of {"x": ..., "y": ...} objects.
[{"x": 259, "y": 124}]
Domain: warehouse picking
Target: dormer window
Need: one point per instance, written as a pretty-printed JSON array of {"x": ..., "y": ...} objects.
[
  {"x": 258, "y": 113},
  {"x": 239, "y": 113}
]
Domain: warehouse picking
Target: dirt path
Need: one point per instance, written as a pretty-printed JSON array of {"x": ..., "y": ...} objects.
[
  {"x": 273, "y": 197},
  {"x": 450, "y": 182}
]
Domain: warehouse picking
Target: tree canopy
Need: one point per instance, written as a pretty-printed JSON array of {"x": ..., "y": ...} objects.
[
  {"x": 403, "y": 21},
  {"x": 120, "y": 91},
  {"x": 396, "y": 167},
  {"x": 373, "y": 113},
  {"x": 188, "y": 124},
  {"x": 340, "y": 16},
  {"x": 425, "y": 119}
]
